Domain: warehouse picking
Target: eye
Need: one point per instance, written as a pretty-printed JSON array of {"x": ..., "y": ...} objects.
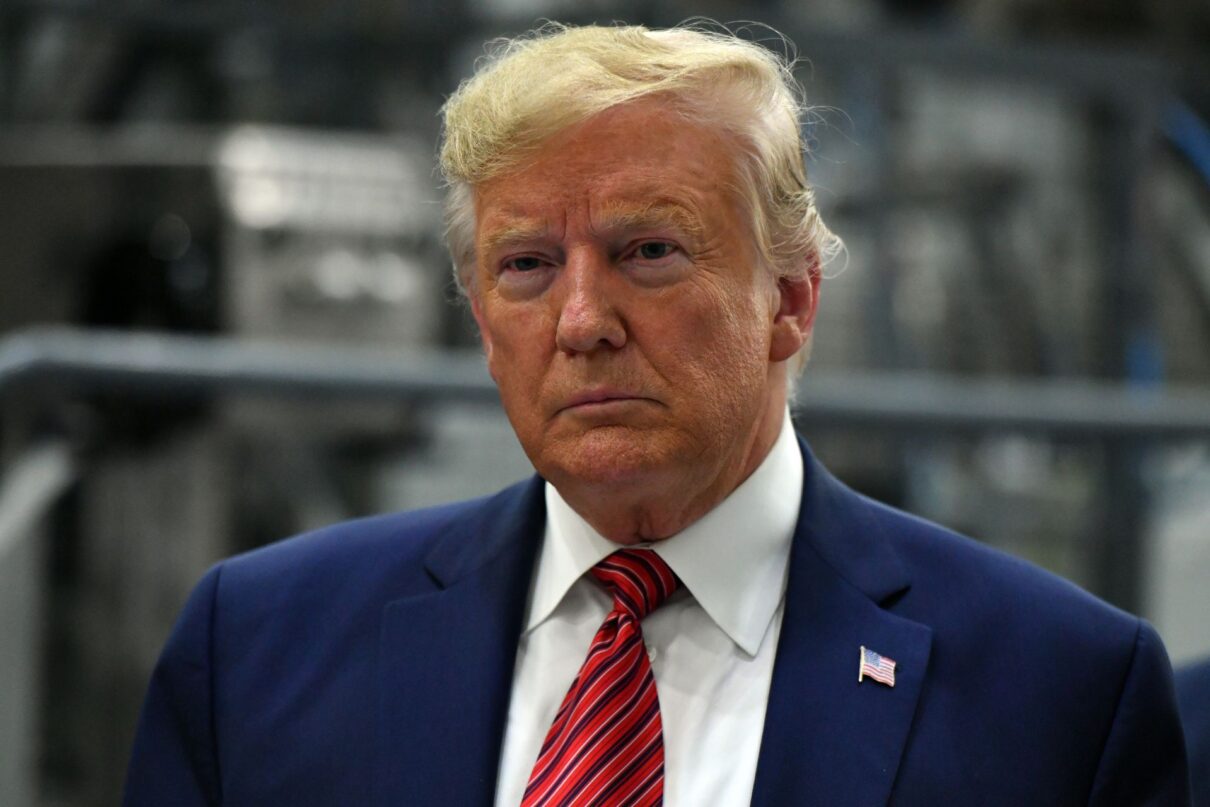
[
  {"x": 654, "y": 250},
  {"x": 523, "y": 263}
]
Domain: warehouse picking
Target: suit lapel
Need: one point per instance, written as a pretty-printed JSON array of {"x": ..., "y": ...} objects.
[
  {"x": 828, "y": 739},
  {"x": 447, "y": 657}
]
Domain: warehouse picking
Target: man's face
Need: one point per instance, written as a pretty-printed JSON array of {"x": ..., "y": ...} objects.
[{"x": 634, "y": 337}]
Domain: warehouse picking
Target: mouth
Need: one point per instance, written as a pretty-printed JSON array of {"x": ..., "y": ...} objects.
[{"x": 600, "y": 399}]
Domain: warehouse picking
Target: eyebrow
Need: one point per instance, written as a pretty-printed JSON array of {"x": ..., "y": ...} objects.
[
  {"x": 518, "y": 232},
  {"x": 654, "y": 214}
]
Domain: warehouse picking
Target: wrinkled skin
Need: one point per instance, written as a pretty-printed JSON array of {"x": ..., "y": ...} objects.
[{"x": 638, "y": 345}]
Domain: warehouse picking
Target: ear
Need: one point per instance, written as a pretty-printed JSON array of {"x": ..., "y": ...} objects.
[
  {"x": 485, "y": 335},
  {"x": 797, "y": 299}
]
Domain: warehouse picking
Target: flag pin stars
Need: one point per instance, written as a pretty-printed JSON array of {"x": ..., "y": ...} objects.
[{"x": 872, "y": 665}]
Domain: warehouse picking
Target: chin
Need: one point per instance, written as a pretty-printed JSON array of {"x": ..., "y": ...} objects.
[{"x": 614, "y": 457}]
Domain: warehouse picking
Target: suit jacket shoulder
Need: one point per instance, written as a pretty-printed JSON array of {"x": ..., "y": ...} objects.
[
  {"x": 963, "y": 585},
  {"x": 390, "y": 550},
  {"x": 1020, "y": 686},
  {"x": 294, "y": 667}
]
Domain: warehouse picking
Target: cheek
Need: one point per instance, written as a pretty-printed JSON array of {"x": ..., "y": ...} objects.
[
  {"x": 718, "y": 353},
  {"x": 518, "y": 324},
  {"x": 521, "y": 340},
  {"x": 731, "y": 332}
]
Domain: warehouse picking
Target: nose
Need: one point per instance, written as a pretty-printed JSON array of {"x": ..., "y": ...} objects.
[{"x": 588, "y": 318}]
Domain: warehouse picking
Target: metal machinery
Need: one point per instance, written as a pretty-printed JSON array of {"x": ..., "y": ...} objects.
[{"x": 255, "y": 232}]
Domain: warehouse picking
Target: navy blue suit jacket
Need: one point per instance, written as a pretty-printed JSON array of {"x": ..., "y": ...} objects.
[{"x": 371, "y": 663}]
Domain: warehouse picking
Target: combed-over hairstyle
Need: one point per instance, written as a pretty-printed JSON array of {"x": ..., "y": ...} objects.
[{"x": 530, "y": 88}]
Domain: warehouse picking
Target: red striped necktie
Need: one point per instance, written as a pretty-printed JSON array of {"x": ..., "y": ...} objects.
[{"x": 606, "y": 746}]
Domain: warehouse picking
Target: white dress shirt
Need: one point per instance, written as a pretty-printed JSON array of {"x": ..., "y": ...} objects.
[{"x": 711, "y": 644}]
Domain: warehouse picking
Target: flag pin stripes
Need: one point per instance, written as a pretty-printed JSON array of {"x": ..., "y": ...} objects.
[{"x": 878, "y": 667}]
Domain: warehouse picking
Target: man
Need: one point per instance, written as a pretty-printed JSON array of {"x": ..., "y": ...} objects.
[{"x": 630, "y": 218}]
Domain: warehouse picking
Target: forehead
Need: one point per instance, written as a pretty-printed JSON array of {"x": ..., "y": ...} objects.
[{"x": 642, "y": 159}]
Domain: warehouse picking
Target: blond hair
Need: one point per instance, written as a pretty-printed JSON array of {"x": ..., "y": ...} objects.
[{"x": 537, "y": 85}]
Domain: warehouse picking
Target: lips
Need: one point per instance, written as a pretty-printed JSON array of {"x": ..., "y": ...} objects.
[{"x": 589, "y": 399}]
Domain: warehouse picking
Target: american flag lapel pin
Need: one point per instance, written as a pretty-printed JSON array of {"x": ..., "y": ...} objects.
[{"x": 873, "y": 665}]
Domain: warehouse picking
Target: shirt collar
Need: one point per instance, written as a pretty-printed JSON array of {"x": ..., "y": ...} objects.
[{"x": 732, "y": 560}]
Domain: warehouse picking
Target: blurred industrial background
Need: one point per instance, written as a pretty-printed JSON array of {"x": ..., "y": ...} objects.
[{"x": 225, "y": 309}]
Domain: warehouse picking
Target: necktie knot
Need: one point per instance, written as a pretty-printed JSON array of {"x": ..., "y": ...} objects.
[{"x": 638, "y": 579}]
